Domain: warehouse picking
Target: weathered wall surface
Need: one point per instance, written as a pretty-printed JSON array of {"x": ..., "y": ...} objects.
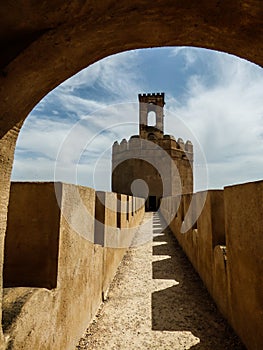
[
  {"x": 55, "y": 318},
  {"x": 244, "y": 241},
  {"x": 30, "y": 257},
  {"x": 44, "y": 43},
  {"x": 226, "y": 248},
  {"x": 148, "y": 160}
]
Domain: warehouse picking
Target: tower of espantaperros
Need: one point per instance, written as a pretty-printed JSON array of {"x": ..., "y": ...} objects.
[{"x": 152, "y": 165}]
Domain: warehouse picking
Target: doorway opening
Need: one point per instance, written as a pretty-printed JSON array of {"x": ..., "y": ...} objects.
[{"x": 151, "y": 204}]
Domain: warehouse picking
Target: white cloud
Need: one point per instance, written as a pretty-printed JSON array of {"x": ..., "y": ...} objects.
[
  {"x": 61, "y": 144},
  {"x": 43, "y": 136},
  {"x": 222, "y": 111},
  {"x": 33, "y": 169},
  {"x": 76, "y": 104},
  {"x": 76, "y": 120},
  {"x": 225, "y": 116},
  {"x": 189, "y": 54},
  {"x": 117, "y": 74}
]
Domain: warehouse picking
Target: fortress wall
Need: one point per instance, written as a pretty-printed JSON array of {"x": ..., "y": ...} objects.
[
  {"x": 244, "y": 241},
  {"x": 187, "y": 241},
  {"x": 209, "y": 223},
  {"x": 132, "y": 169},
  {"x": 128, "y": 158},
  {"x": 80, "y": 269},
  {"x": 133, "y": 146},
  {"x": 30, "y": 257},
  {"x": 56, "y": 318},
  {"x": 129, "y": 200},
  {"x": 226, "y": 249},
  {"x": 114, "y": 249},
  {"x": 221, "y": 280}
]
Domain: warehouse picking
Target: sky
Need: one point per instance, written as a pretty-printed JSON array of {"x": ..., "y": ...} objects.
[{"x": 214, "y": 99}]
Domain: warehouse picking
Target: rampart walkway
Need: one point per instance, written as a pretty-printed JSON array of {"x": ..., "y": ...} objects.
[{"x": 157, "y": 301}]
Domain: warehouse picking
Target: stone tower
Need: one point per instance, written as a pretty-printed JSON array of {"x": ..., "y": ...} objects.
[
  {"x": 152, "y": 165},
  {"x": 151, "y": 103}
]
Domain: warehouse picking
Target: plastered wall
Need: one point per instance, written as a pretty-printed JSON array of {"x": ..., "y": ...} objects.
[
  {"x": 55, "y": 275},
  {"x": 226, "y": 248}
]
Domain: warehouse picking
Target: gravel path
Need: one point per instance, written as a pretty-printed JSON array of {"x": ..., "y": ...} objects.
[{"x": 157, "y": 301}]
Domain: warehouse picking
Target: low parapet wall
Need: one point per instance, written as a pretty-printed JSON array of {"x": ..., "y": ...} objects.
[
  {"x": 225, "y": 246},
  {"x": 60, "y": 258}
]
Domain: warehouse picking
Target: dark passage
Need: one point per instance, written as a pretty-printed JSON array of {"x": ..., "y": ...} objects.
[{"x": 152, "y": 203}]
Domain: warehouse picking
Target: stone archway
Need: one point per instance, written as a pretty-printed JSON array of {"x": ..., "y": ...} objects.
[{"x": 46, "y": 43}]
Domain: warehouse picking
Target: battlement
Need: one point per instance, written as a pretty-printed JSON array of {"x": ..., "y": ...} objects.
[
  {"x": 158, "y": 94},
  {"x": 168, "y": 142},
  {"x": 152, "y": 98},
  {"x": 168, "y": 137},
  {"x": 125, "y": 145}
]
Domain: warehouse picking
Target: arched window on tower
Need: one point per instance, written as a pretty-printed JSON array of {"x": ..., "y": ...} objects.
[{"x": 151, "y": 119}]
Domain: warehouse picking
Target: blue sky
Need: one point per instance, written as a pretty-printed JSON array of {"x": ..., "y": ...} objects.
[{"x": 213, "y": 99}]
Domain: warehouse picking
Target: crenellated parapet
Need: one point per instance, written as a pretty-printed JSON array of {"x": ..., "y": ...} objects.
[
  {"x": 180, "y": 143},
  {"x": 189, "y": 146},
  {"x": 156, "y": 98},
  {"x": 120, "y": 147},
  {"x": 133, "y": 143},
  {"x": 158, "y": 94},
  {"x": 167, "y": 142}
]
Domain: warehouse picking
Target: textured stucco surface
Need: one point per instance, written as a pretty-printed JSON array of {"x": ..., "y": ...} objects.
[
  {"x": 244, "y": 241},
  {"x": 230, "y": 265},
  {"x": 30, "y": 256},
  {"x": 55, "y": 318}
]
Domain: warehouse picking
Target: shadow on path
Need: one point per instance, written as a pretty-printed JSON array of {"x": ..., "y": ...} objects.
[{"x": 186, "y": 305}]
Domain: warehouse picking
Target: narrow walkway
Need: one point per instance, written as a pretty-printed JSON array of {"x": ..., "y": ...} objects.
[{"x": 157, "y": 301}]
